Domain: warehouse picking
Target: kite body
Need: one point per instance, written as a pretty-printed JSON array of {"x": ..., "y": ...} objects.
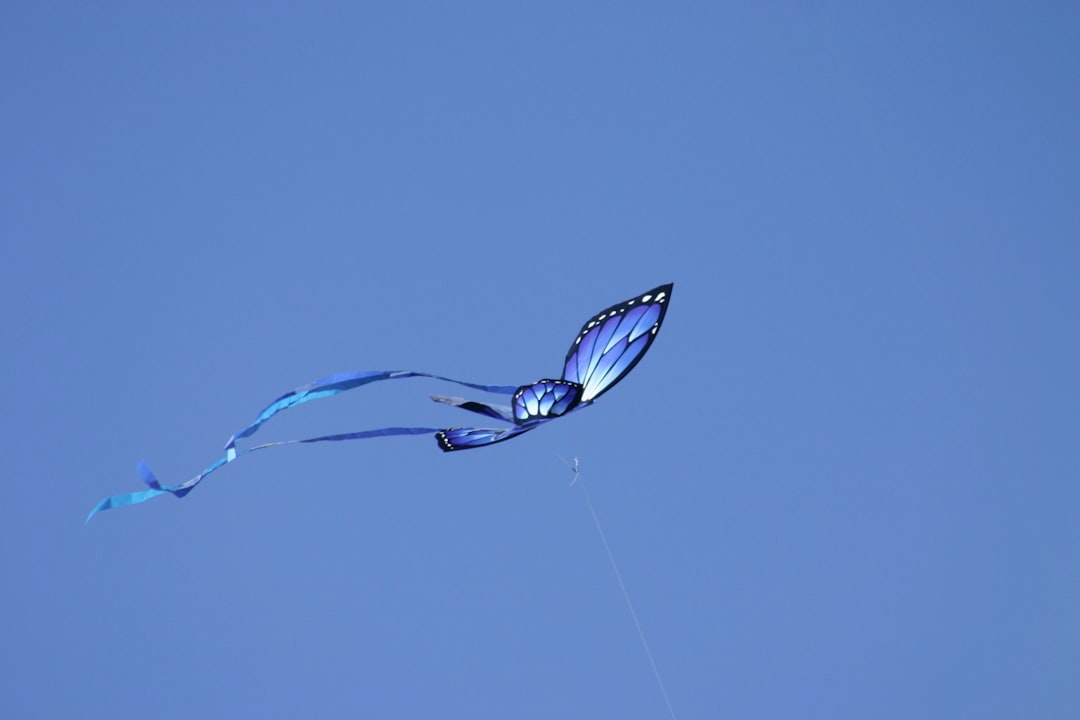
[{"x": 606, "y": 348}]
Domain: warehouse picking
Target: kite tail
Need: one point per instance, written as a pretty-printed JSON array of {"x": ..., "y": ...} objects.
[
  {"x": 342, "y": 382},
  {"x": 156, "y": 488},
  {"x": 323, "y": 387}
]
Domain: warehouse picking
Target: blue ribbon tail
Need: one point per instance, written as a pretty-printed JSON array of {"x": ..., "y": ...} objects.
[
  {"x": 156, "y": 488},
  {"x": 339, "y": 383},
  {"x": 323, "y": 387},
  {"x": 116, "y": 501}
]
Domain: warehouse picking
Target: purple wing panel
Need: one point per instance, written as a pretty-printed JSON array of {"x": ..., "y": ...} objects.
[
  {"x": 545, "y": 400},
  {"x": 468, "y": 438},
  {"x": 612, "y": 342}
]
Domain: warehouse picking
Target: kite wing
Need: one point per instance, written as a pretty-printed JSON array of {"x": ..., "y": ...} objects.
[
  {"x": 545, "y": 400},
  {"x": 612, "y": 342},
  {"x": 468, "y": 438}
]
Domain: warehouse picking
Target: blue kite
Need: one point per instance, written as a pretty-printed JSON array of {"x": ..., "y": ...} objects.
[{"x": 608, "y": 347}]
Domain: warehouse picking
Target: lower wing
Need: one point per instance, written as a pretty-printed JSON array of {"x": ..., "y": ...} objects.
[{"x": 467, "y": 438}]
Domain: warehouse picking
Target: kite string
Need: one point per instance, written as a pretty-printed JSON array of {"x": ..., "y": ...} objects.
[{"x": 622, "y": 585}]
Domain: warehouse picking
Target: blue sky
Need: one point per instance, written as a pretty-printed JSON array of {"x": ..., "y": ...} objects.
[{"x": 842, "y": 484}]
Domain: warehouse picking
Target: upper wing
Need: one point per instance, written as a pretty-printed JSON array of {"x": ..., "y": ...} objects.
[{"x": 612, "y": 342}]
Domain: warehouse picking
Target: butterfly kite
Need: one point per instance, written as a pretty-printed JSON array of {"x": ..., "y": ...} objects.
[{"x": 608, "y": 347}]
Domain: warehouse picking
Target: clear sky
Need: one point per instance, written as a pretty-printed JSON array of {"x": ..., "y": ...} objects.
[{"x": 842, "y": 484}]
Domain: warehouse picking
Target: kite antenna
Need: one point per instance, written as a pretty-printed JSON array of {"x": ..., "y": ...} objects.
[{"x": 576, "y": 469}]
